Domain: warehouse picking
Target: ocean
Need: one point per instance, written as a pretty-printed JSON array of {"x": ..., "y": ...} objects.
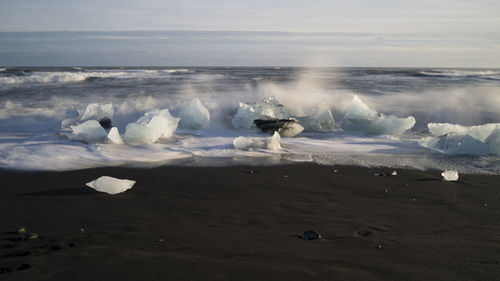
[{"x": 34, "y": 101}]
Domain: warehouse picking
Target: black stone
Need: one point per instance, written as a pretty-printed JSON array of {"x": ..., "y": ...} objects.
[
  {"x": 272, "y": 125},
  {"x": 311, "y": 235},
  {"x": 105, "y": 123}
]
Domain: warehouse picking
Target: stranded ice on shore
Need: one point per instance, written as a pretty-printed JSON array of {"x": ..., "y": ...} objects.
[
  {"x": 450, "y": 175},
  {"x": 455, "y": 139},
  {"x": 194, "y": 115},
  {"x": 272, "y": 143},
  {"x": 271, "y": 114},
  {"x": 155, "y": 124},
  {"x": 111, "y": 185},
  {"x": 93, "y": 111},
  {"x": 362, "y": 119},
  {"x": 89, "y": 132}
]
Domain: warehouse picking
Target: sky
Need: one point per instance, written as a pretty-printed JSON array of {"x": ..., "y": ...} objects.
[{"x": 445, "y": 33}]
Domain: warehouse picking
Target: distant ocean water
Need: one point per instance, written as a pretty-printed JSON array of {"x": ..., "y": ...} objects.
[{"x": 34, "y": 101}]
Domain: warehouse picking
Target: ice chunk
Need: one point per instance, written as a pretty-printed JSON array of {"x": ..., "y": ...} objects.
[
  {"x": 274, "y": 142},
  {"x": 244, "y": 143},
  {"x": 111, "y": 185},
  {"x": 194, "y": 115},
  {"x": 480, "y": 132},
  {"x": 493, "y": 141},
  {"x": 265, "y": 109},
  {"x": 320, "y": 119},
  {"x": 290, "y": 129},
  {"x": 149, "y": 128},
  {"x": 114, "y": 136},
  {"x": 93, "y": 111},
  {"x": 453, "y": 144},
  {"x": 450, "y": 175},
  {"x": 88, "y": 132},
  {"x": 360, "y": 118}
]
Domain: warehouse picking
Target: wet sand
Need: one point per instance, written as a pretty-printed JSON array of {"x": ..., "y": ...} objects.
[{"x": 245, "y": 223}]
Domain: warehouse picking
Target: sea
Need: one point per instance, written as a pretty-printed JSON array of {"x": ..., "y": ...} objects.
[{"x": 35, "y": 100}]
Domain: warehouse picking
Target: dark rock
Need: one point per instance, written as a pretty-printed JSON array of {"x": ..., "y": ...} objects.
[
  {"x": 29, "y": 236},
  {"x": 311, "y": 235},
  {"x": 380, "y": 174},
  {"x": 105, "y": 123},
  {"x": 285, "y": 127},
  {"x": 24, "y": 266}
]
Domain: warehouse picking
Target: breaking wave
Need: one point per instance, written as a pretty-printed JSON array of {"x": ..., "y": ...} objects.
[
  {"x": 80, "y": 75},
  {"x": 385, "y": 125},
  {"x": 488, "y": 74}
]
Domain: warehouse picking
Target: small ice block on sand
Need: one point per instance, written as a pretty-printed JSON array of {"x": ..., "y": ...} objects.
[
  {"x": 450, "y": 175},
  {"x": 111, "y": 185}
]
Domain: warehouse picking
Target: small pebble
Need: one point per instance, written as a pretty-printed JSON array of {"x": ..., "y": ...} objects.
[
  {"x": 335, "y": 171},
  {"x": 20, "y": 230},
  {"x": 413, "y": 199},
  {"x": 380, "y": 174},
  {"x": 379, "y": 246},
  {"x": 29, "y": 236},
  {"x": 249, "y": 172},
  {"x": 82, "y": 229},
  {"x": 486, "y": 204},
  {"x": 285, "y": 176},
  {"x": 159, "y": 240}
]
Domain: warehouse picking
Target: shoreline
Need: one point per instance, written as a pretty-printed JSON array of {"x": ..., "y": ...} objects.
[{"x": 245, "y": 223}]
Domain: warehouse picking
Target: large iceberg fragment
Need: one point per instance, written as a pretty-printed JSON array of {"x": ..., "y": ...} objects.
[
  {"x": 320, "y": 119},
  {"x": 265, "y": 109},
  {"x": 243, "y": 143},
  {"x": 453, "y": 144},
  {"x": 114, "y": 136},
  {"x": 152, "y": 126},
  {"x": 88, "y": 132},
  {"x": 493, "y": 141},
  {"x": 480, "y": 132},
  {"x": 457, "y": 139},
  {"x": 93, "y": 111},
  {"x": 111, "y": 185},
  {"x": 362, "y": 119},
  {"x": 194, "y": 115}
]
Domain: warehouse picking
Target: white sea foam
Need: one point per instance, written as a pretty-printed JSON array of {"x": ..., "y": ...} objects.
[
  {"x": 461, "y": 73},
  {"x": 79, "y": 76}
]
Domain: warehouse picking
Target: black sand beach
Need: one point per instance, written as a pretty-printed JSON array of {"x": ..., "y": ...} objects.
[{"x": 245, "y": 223}]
